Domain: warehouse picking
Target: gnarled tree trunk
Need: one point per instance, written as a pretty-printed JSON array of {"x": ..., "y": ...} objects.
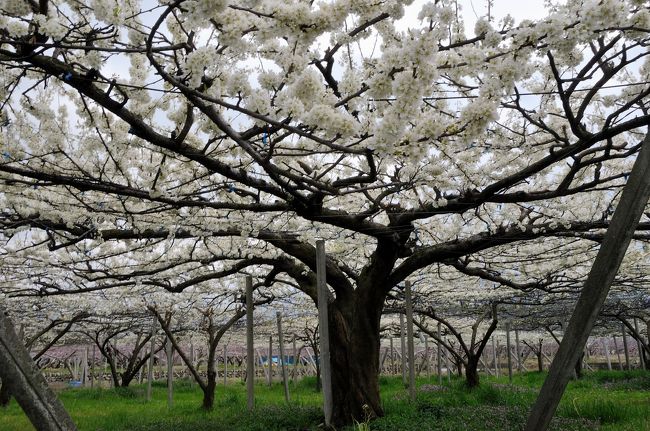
[{"x": 354, "y": 353}]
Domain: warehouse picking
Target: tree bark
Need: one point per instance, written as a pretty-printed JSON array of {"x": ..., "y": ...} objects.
[
  {"x": 472, "y": 378},
  {"x": 209, "y": 390},
  {"x": 354, "y": 352},
  {"x": 578, "y": 367},
  {"x": 5, "y": 395}
]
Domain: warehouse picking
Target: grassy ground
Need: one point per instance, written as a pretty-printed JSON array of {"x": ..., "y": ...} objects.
[{"x": 605, "y": 401}]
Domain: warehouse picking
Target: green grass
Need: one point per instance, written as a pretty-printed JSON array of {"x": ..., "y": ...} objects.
[{"x": 605, "y": 401}]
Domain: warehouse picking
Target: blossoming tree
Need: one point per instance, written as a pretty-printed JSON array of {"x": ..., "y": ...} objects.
[{"x": 170, "y": 143}]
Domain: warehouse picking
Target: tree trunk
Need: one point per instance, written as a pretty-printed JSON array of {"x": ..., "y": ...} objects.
[
  {"x": 5, "y": 395},
  {"x": 208, "y": 391},
  {"x": 578, "y": 367},
  {"x": 540, "y": 361},
  {"x": 354, "y": 353},
  {"x": 472, "y": 379}
]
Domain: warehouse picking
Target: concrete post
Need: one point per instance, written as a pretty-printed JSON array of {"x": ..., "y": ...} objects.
[
  {"x": 323, "y": 328},
  {"x": 250, "y": 348},
  {"x": 628, "y": 365},
  {"x": 170, "y": 374},
  {"x": 402, "y": 337},
  {"x": 283, "y": 364},
  {"x": 270, "y": 361},
  {"x": 225, "y": 365},
  {"x": 409, "y": 335},
  {"x": 606, "y": 347},
  {"x": 639, "y": 345},
  {"x": 151, "y": 355},
  {"x": 439, "y": 354},
  {"x": 508, "y": 352}
]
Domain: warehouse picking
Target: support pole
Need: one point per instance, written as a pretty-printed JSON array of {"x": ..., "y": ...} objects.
[
  {"x": 606, "y": 347},
  {"x": 270, "y": 360},
  {"x": 618, "y": 354},
  {"x": 225, "y": 365},
  {"x": 392, "y": 357},
  {"x": 639, "y": 346},
  {"x": 426, "y": 352},
  {"x": 92, "y": 369},
  {"x": 402, "y": 352},
  {"x": 439, "y": 354},
  {"x": 494, "y": 357},
  {"x": 448, "y": 362},
  {"x": 517, "y": 352},
  {"x": 283, "y": 364},
  {"x": 628, "y": 365},
  {"x": 84, "y": 368},
  {"x": 612, "y": 250},
  {"x": 151, "y": 354},
  {"x": 323, "y": 328},
  {"x": 409, "y": 338},
  {"x": 250, "y": 348},
  {"x": 170, "y": 374},
  {"x": 508, "y": 352},
  {"x": 27, "y": 384},
  {"x": 295, "y": 359}
]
